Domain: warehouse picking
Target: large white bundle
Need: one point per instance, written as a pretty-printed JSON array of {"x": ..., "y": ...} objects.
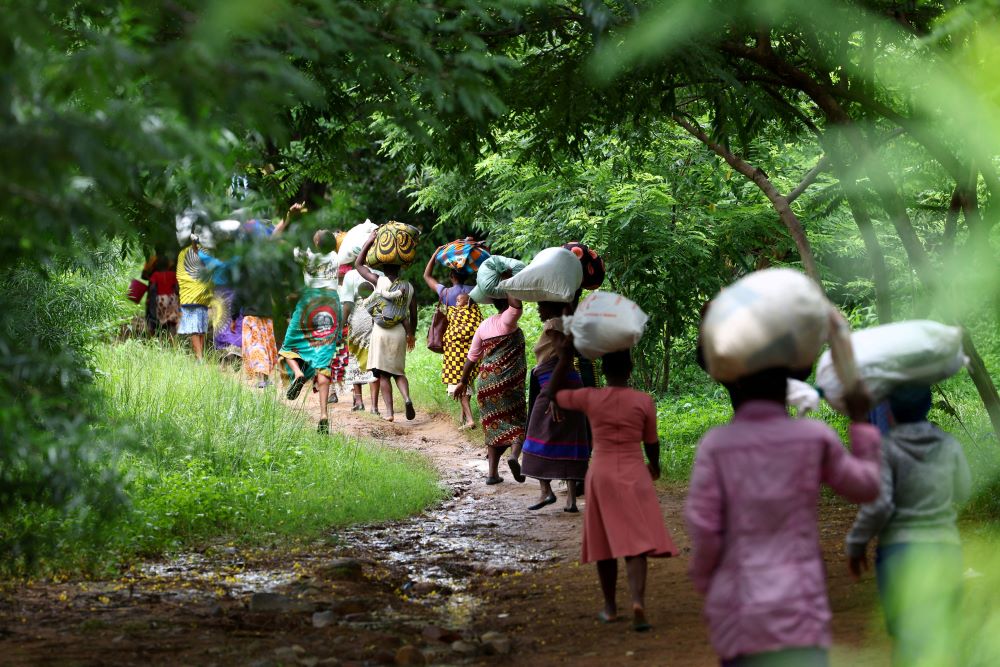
[
  {"x": 350, "y": 247},
  {"x": 887, "y": 356},
  {"x": 605, "y": 322},
  {"x": 555, "y": 274},
  {"x": 776, "y": 318}
]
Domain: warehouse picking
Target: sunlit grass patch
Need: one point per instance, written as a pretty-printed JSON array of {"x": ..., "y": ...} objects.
[{"x": 218, "y": 459}]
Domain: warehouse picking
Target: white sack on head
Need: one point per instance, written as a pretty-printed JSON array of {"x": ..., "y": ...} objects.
[
  {"x": 891, "y": 355},
  {"x": 775, "y": 318},
  {"x": 605, "y": 322},
  {"x": 802, "y": 396},
  {"x": 555, "y": 274},
  {"x": 350, "y": 247}
]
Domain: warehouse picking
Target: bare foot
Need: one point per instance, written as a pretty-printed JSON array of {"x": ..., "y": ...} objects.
[{"x": 389, "y": 418}]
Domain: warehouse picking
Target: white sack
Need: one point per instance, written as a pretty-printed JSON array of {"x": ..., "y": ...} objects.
[
  {"x": 605, "y": 322},
  {"x": 775, "y": 318},
  {"x": 350, "y": 247},
  {"x": 802, "y": 396},
  {"x": 887, "y": 356},
  {"x": 555, "y": 274}
]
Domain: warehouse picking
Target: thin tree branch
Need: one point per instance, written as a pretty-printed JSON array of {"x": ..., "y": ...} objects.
[{"x": 760, "y": 179}]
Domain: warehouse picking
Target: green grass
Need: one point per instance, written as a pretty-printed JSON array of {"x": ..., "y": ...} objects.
[{"x": 219, "y": 460}]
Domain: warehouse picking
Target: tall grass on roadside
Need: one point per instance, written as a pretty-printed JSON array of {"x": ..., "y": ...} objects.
[{"x": 219, "y": 459}]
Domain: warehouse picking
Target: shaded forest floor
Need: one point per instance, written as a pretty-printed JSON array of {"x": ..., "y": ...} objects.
[{"x": 478, "y": 580}]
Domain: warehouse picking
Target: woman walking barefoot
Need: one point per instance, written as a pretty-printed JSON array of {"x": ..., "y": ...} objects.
[
  {"x": 464, "y": 318},
  {"x": 622, "y": 518},
  {"x": 394, "y": 333},
  {"x": 498, "y": 348}
]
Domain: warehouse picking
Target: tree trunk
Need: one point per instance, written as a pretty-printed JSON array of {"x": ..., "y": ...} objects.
[
  {"x": 665, "y": 367},
  {"x": 984, "y": 383},
  {"x": 880, "y": 273}
]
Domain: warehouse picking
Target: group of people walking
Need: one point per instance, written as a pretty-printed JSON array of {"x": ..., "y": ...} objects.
[{"x": 751, "y": 512}]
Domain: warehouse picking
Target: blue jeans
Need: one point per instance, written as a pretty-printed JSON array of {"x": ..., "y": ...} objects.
[
  {"x": 920, "y": 586},
  {"x": 811, "y": 656}
]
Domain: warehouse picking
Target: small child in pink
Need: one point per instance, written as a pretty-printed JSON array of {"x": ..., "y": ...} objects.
[{"x": 752, "y": 518}]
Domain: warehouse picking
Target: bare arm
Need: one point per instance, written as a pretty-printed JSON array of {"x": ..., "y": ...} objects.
[
  {"x": 428, "y": 278},
  {"x": 294, "y": 211},
  {"x": 411, "y": 324},
  {"x": 360, "y": 265},
  {"x": 464, "y": 382}
]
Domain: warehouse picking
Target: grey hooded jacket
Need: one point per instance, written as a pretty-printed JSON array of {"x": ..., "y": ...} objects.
[{"x": 924, "y": 475}]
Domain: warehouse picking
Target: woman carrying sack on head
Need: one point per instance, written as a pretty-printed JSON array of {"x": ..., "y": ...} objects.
[
  {"x": 464, "y": 317},
  {"x": 395, "y": 315}
]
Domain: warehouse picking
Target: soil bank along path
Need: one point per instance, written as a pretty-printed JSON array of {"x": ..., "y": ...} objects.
[{"x": 476, "y": 580}]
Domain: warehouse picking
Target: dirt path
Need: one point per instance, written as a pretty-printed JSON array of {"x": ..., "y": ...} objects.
[{"x": 478, "y": 580}]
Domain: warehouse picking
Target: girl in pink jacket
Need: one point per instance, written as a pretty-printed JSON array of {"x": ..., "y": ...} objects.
[{"x": 752, "y": 517}]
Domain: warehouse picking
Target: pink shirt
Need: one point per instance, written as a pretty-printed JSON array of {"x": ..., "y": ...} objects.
[
  {"x": 500, "y": 324},
  {"x": 752, "y": 517}
]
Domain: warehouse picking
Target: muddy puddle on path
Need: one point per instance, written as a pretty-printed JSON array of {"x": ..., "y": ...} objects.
[{"x": 444, "y": 551}]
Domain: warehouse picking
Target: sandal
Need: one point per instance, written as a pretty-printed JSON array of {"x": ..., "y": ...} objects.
[
  {"x": 604, "y": 617},
  {"x": 358, "y": 407},
  {"x": 332, "y": 398},
  {"x": 547, "y": 501},
  {"x": 324, "y": 426},
  {"x": 296, "y": 388},
  {"x": 515, "y": 469},
  {"x": 571, "y": 510},
  {"x": 410, "y": 412},
  {"x": 490, "y": 481}
]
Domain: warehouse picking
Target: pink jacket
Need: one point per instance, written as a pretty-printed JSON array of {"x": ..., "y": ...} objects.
[{"x": 752, "y": 518}]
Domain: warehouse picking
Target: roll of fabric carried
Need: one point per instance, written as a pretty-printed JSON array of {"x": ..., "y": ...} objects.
[
  {"x": 464, "y": 256},
  {"x": 395, "y": 243},
  {"x": 591, "y": 262}
]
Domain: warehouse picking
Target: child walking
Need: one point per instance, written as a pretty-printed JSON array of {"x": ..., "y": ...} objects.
[
  {"x": 918, "y": 562},
  {"x": 622, "y": 517},
  {"x": 751, "y": 516}
]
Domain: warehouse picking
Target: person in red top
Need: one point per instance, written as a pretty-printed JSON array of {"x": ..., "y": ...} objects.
[
  {"x": 164, "y": 289},
  {"x": 622, "y": 517}
]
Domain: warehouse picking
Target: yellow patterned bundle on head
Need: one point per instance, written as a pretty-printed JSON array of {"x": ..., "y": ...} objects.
[
  {"x": 339, "y": 236},
  {"x": 395, "y": 243}
]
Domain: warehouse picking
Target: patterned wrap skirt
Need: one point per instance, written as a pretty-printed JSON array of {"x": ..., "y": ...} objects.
[
  {"x": 338, "y": 367},
  {"x": 260, "y": 351},
  {"x": 554, "y": 450},
  {"x": 502, "y": 403},
  {"x": 314, "y": 332},
  {"x": 462, "y": 325}
]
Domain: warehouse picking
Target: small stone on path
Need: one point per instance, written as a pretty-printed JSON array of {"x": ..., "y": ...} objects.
[
  {"x": 464, "y": 647},
  {"x": 342, "y": 569},
  {"x": 321, "y": 619},
  {"x": 278, "y": 603},
  {"x": 410, "y": 655},
  {"x": 496, "y": 643}
]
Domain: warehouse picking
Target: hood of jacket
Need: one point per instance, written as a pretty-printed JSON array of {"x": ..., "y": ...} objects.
[{"x": 918, "y": 439}]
